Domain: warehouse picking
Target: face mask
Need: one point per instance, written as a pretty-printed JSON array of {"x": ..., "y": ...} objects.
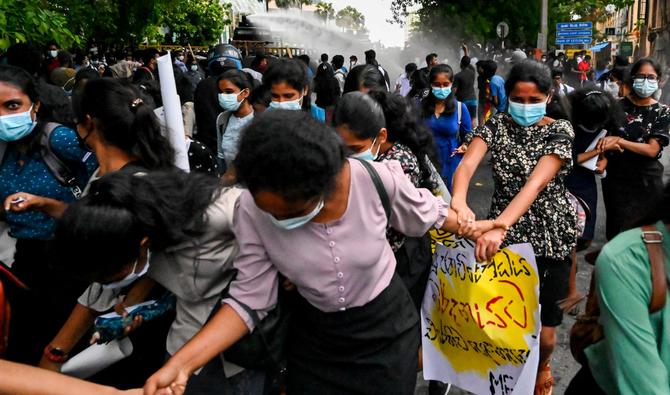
[
  {"x": 527, "y": 114},
  {"x": 194, "y": 67},
  {"x": 228, "y": 101},
  {"x": 644, "y": 88},
  {"x": 287, "y": 105},
  {"x": 367, "y": 154},
  {"x": 441, "y": 93},
  {"x": 293, "y": 223},
  {"x": 129, "y": 279},
  {"x": 16, "y": 126},
  {"x": 53, "y": 53},
  {"x": 612, "y": 87},
  {"x": 181, "y": 58}
]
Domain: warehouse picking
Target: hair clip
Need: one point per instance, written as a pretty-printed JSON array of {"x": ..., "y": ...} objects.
[
  {"x": 136, "y": 102},
  {"x": 593, "y": 93}
]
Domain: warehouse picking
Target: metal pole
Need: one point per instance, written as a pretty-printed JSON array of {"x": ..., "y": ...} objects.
[{"x": 544, "y": 24}]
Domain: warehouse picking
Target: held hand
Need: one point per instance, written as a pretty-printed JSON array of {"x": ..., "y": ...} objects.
[
  {"x": 609, "y": 143},
  {"x": 21, "y": 201},
  {"x": 47, "y": 364},
  {"x": 169, "y": 380},
  {"x": 460, "y": 150},
  {"x": 482, "y": 227},
  {"x": 488, "y": 244},
  {"x": 601, "y": 165},
  {"x": 465, "y": 218}
]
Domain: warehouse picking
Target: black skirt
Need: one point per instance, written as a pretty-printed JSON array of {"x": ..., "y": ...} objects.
[{"x": 372, "y": 349}]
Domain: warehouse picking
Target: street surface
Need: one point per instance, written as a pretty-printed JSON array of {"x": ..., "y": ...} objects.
[{"x": 564, "y": 367}]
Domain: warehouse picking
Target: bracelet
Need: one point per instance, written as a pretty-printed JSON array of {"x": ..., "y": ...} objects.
[{"x": 55, "y": 354}]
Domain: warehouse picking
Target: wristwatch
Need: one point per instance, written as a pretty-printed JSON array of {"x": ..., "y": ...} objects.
[{"x": 55, "y": 354}]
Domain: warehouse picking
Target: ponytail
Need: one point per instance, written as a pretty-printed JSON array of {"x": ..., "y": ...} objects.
[{"x": 125, "y": 121}]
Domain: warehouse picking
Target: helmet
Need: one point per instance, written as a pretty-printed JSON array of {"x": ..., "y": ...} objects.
[{"x": 222, "y": 52}]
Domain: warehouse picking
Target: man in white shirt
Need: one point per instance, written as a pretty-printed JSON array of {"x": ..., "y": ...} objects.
[
  {"x": 402, "y": 84},
  {"x": 340, "y": 71},
  {"x": 559, "y": 87}
]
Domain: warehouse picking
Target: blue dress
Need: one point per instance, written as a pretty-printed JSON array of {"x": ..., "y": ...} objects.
[
  {"x": 28, "y": 173},
  {"x": 447, "y": 138}
]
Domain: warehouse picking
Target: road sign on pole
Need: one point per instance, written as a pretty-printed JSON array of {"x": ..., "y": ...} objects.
[
  {"x": 574, "y": 33},
  {"x": 574, "y": 41},
  {"x": 502, "y": 30}
]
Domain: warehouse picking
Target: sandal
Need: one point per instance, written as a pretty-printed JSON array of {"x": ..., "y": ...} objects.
[
  {"x": 544, "y": 384},
  {"x": 570, "y": 305}
]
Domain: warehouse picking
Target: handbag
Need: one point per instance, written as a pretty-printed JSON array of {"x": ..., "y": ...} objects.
[{"x": 587, "y": 329}]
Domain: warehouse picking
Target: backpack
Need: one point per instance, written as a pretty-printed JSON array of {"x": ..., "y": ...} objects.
[
  {"x": 587, "y": 329},
  {"x": 60, "y": 170}
]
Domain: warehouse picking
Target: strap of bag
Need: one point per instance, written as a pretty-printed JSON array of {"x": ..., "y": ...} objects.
[
  {"x": 56, "y": 166},
  {"x": 221, "y": 125},
  {"x": 379, "y": 186},
  {"x": 653, "y": 240}
]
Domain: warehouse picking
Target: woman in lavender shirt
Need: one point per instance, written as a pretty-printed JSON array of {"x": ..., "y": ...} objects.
[{"x": 316, "y": 217}]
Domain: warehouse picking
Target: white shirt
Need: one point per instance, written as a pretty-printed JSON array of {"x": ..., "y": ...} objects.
[
  {"x": 402, "y": 85},
  {"x": 564, "y": 89}
]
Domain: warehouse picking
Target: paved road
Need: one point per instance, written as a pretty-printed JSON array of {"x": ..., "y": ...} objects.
[{"x": 564, "y": 367}]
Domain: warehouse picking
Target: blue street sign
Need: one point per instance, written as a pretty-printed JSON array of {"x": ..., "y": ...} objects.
[
  {"x": 574, "y": 25},
  {"x": 574, "y": 33},
  {"x": 575, "y": 41}
]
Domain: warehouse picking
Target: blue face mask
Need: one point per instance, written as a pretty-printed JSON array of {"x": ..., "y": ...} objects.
[
  {"x": 228, "y": 101},
  {"x": 287, "y": 105},
  {"x": 527, "y": 114},
  {"x": 16, "y": 126},
  {"x": 367, "y": 154},
  {"x": 293, "y": 223},
  {"x": 442, "y": 93},
  {"x": 644, "y": 88}
]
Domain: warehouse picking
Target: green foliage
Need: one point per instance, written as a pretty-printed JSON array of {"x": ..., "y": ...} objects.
[
  {"x": 350, "y": 18},
  {"x": 325, "y": 11},
  {"x": 292, "y": 3},
  {"x": 197, "y": 22},
  {"x": 477, "y": 19},
  {"x": 27, "y": 21}
]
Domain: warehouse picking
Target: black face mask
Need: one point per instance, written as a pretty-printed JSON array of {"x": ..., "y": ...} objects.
[{"x": 82, "y": 142}]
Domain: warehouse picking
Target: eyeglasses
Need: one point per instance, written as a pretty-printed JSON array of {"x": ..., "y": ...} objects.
[{"x": 648, "y": 77}]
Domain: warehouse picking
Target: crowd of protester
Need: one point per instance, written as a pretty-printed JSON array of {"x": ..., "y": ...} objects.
[{"x": 312, "y": 190}]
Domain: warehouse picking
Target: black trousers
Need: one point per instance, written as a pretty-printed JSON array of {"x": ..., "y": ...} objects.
[
  {"x": 584, "y": 383},
  {"x": 40, "y": 312}
]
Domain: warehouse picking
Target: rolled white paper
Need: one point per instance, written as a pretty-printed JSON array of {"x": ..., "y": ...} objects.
[
  {"x": 97, "y": 357},
  {"x": 172, "y": 109}
]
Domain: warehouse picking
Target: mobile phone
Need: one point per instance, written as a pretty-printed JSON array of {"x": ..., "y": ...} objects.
[{"x": 17, "y": 200}]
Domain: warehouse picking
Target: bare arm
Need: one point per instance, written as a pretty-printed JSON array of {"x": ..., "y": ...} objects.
[
  {"x": 222, "y": 331},
  {"x": 545, "y": 171},
  {"x": 473, "y": 156},
  {"x": 73, "y": 330},
  {"x": 649, "y": 149},
  {"x": 20, "y": 379},
  {"x": 583, "y": 157},
  {"x": 52, "y": 207}
]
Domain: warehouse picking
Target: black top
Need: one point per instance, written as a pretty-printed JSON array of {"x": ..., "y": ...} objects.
[
  {"x": 206, "y": 101},
  {"x": 642, "y": 124},
  {"x": 465, "y": 83}
]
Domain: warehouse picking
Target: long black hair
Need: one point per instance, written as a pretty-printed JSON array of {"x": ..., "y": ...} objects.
[
  {"x": 428, "y": 103},
  {"x": 403, "y": 127},
  {"x": 293, "y": 72},
  {"x": 100, "y": 234},
  {"x": 124, "y": 121},
  {"x": 365, "y": 75},
  {"x": 595, "y": 108},
  {"x": 291, "y": 154},
  {"x": 361, "y": 113}
]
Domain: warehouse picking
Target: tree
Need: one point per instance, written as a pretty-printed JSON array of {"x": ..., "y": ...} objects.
[
  {"x": 350, "y": 18},
  {"x": 198, "y": 22},
  {"x": 477, "y": 19},
  {"x": 27, "y": 21},
  {"x": 325, "y": 11},
  {"x": 292, "y": 3}
]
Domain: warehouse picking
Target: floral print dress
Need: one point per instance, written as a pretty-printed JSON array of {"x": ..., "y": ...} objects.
[
  {"x": 550, "y": 223},
  {"x": 635, "y": 181}
]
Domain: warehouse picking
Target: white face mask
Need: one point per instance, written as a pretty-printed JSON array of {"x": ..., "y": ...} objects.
[
  {"x": 293, "y": 223},
  {"x": 53, "y": 53},
  {"x": 130, "y": 278},
  {"x": 287, "y": 105},
  {"x": 367, "y": 154}
]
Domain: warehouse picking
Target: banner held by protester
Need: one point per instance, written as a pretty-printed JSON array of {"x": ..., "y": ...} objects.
[{"x": 481, "y": 321}]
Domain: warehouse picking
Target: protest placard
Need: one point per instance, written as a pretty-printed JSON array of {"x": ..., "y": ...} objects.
[{"x": 480, "y": 322}]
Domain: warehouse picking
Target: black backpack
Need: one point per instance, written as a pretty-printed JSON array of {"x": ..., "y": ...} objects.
[{"x": 60, "y": 170}]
